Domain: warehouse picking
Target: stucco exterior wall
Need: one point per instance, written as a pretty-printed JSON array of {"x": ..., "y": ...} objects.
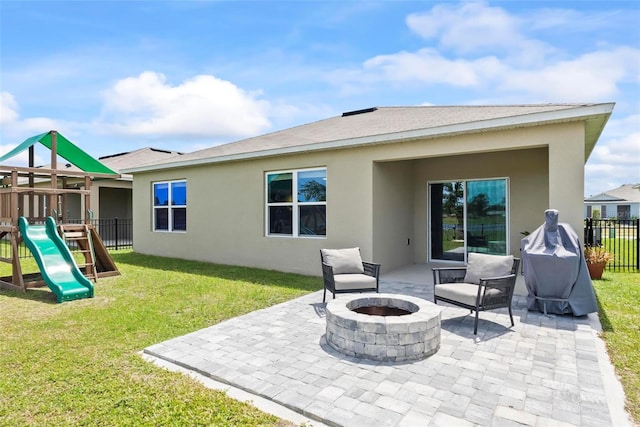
[
  {"x": 566, "y": 174},
  {"x": 226, "y": 213},
  {"x": 393, "y": 212},
  {"x": 376, "y": 197}
]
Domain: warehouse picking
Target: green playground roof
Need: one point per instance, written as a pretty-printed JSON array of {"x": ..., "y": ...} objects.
[{"x": 65, "y": 149}]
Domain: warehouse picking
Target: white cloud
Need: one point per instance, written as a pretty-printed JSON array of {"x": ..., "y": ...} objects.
[
  {"x": 16, "y": 127},
  {"x": 8, "y": 108},
  {"x": 474, "y": 28},
  {"x": 466, "y": 26},
  {"x": 22, "y": 158},
  {"x": 615, "y": 159},
  {"x": 478, "y": 47},
  {"x": 202, "y": 106},
  {"x": 429, "y": 66},
  {"x": 593, "y": 76}
]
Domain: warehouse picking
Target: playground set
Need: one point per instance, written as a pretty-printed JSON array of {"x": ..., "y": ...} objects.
[{"x": 36, "y": 214}]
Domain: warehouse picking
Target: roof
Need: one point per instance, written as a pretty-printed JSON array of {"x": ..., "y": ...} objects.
[
  {"x": 65, "y": 149},
  {"x": 624, "y": 193},
  {"x": 394, "y": 124},
  {"x": 137, "y": 158},
  {"x": 129, "y": 159}
]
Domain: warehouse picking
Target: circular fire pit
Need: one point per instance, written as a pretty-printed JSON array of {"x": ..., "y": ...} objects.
[{"x": 385, "y": 327}]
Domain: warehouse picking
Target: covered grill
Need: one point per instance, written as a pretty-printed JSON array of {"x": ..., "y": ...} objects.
[{"x": 555, "y": 270}]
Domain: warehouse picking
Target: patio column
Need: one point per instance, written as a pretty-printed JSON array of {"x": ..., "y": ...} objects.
[{"x": 566, "y": 177}]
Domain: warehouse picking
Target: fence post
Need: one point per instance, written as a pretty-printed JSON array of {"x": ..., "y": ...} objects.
[
  {"x": 637, "y": 243},
  {"x": 116, "y": 226},
  {"x": 588, "y": 232}
]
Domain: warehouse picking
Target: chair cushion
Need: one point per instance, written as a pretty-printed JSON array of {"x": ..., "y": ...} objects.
[
  {"x": 343, "y": 261},
  {"x": 354, "y": 281},
  {"x": 463, "y": 292},
  {"x": 482, "y": 266}
]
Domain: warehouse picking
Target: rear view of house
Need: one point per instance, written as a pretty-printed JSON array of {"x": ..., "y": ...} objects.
[{"x": 405, "y": 184}]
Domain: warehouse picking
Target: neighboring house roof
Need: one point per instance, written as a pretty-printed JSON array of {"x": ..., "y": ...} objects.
[
  {"x": 130, "y": 159},
  {"x": 65, "y": 149},
  {"x": 625, "y": 193},
  {"x": 137, "y": 158},
  {"x": 393, "y": 124}
]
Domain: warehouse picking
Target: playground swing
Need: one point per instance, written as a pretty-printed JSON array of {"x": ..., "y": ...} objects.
[{"x": 29, "y": 215}]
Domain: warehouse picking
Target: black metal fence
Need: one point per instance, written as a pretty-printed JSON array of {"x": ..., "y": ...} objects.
[
  {"x": 116, "y": 233},
  {"x": 617, "y": 236}
]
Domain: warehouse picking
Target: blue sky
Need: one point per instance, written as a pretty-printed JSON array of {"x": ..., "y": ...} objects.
[{"x": 114, "y": 76}]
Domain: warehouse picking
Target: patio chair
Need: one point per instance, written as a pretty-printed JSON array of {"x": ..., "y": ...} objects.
[
  {"x": 486, "y": 283},
  {"x": 344, "y": 271}
]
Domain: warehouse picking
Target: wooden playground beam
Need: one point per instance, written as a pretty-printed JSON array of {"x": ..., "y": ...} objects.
[
  {"x": 46, "y": 173},
  {"x": 37, "y": 190}
]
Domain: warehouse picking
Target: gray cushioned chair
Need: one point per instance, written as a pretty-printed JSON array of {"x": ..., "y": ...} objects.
[
  {"x": 486, "y": 283},
  {"x": 344, "y": 271}
]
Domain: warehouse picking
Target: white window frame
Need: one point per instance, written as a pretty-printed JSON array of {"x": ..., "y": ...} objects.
[
  {"x": 295, "y": 204},
  {"x": 169, "y": 206}
]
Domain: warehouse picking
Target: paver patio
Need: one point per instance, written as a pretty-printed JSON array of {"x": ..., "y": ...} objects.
[{"x": 544, "y": 371}]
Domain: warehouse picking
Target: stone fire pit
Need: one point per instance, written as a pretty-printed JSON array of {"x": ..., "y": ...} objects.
[{"x": 384, "y": 327}]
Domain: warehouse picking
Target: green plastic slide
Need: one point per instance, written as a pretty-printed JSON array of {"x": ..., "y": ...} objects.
[{"x": 57, "y": 266}]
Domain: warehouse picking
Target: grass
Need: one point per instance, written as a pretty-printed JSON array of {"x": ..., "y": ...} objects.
[
  {"x": 619, "y": 306},
  {"x": 77, "y": 363},
  {"x": 624, "y": 251}
]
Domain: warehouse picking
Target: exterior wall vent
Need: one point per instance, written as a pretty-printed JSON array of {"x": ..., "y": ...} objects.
[{"x": 353, "y": 113}]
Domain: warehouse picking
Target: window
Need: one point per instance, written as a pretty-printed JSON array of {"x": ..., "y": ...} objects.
[
  {"x": 624, "y": 212},
  {"x": 299, "y": 213},
  {"x": 170, "y": 206},
  {"x": 468, "y": 216}
]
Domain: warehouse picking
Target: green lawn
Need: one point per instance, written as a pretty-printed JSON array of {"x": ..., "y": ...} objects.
[
  {"x": 619, "y": 304},
  {"x": 77, "y": 363},
  {"x": 624, "y": 251}
]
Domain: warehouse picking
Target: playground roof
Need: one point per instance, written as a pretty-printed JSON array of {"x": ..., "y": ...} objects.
[{"x": 65, "y": 149}]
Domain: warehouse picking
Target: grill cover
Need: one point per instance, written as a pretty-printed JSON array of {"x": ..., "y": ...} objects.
[{"x": 555, "y": 271}]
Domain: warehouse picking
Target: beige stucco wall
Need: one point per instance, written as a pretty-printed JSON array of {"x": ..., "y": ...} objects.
[
  {"x": 401, "y": 198},
  {"x": 393, "y": 213},
  {"x": 376, "y": 197},
  {"x": 226, "y": 213}
]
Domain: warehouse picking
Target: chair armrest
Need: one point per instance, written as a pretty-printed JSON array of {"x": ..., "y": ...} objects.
[
  {"x": 505, "y": 286},
  {"x": 371, "y": 269},
  {"x": 498, "y": 282},
  {"x": 327, "y": 275},
  {"x": 448, "y": 274}
]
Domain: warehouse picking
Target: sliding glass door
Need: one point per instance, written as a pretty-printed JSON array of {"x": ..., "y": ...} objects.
[
  {"x": 447, "y": 220},
  {"x": 467, "y": 216}
]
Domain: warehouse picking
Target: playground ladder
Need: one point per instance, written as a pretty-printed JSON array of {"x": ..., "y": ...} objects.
[{"x": 81, "y": 234}]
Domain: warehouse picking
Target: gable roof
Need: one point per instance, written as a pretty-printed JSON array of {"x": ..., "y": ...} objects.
[
  {"x": 65, "y": 149},
  {"x": 394, "y": 124},
  {"x": 624, "y": 193}
]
